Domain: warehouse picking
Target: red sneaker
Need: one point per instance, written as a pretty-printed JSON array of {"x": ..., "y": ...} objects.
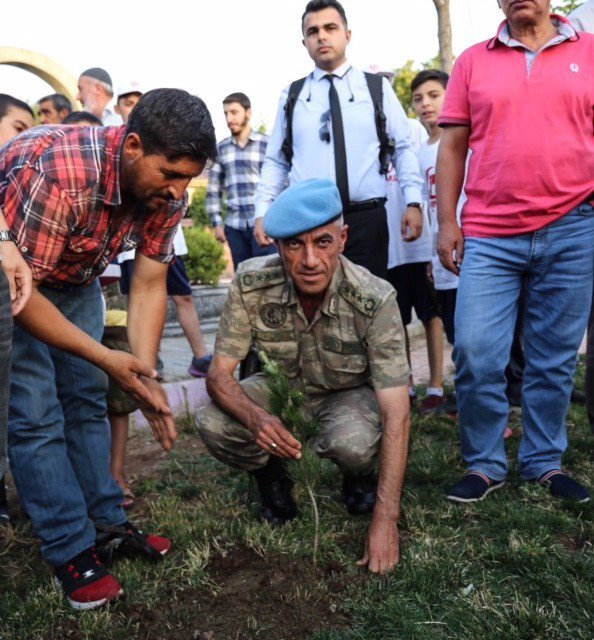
[
  {"x": 126, "y": 539},
  {"x": 431, "y": 403},
  {"x": 87, "y": 582}
]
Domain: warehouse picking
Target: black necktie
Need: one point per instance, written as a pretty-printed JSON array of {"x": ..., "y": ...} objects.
[{"x": 340, "y": 159}]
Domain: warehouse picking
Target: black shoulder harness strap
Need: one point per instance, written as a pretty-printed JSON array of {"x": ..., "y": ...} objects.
[
  {"x": 374, "y": 84},
  {"x": 294, "y": 91},
  {"x": 387, "y": 145}
]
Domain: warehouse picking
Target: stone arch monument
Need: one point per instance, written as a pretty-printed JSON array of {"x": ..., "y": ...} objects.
[{"x": 61, "y": 80}]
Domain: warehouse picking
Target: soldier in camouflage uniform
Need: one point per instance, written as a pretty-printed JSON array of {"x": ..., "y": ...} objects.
[{"x": 336, "y": 331}]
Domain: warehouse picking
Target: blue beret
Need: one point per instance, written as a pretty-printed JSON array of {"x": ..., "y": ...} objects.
[{"x": 303, "y": 207}]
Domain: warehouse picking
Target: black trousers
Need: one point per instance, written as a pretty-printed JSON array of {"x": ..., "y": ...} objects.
[{"x": 367, "y": 241}]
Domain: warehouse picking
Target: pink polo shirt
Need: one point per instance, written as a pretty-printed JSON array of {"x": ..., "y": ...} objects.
[{"x": 531, "y": 132}]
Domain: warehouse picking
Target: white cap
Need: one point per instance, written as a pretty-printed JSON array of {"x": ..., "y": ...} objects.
[
  {"x": 381, "y": 71},
  {"x": 132, "y": 86}
]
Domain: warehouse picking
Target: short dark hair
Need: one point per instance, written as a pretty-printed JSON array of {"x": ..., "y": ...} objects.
[
  {"x": 243, "y": 100},
  {"x": 429, "y": 74},
  {"x": 174, "y": 123},
  {"x": 59, "y": 100},
  {"x": 7, "y": 101},
  {"x": 319, "y": 5},
  {"x": 76, "y": 117}
]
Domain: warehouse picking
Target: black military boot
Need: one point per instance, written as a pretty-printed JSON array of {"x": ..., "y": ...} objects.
[
  {"x": 359, "y": 492},
  {"x": 277, "y": 504}
]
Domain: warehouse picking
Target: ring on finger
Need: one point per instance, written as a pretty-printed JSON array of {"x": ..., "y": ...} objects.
[{"x": 273, "y": 445}]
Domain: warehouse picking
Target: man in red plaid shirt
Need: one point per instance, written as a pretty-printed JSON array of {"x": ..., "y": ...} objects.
[{"x": 75, "y": 197}]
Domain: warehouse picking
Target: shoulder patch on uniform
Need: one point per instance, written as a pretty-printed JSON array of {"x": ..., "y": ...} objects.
[
  {"x": 366, "y": 303},
  {"x": 267, "y": 277}
]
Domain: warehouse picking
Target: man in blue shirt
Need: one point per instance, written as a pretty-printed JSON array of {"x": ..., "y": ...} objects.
[
  {"x": 237, "y": 172},
  {"x": 323, "y": 133}
]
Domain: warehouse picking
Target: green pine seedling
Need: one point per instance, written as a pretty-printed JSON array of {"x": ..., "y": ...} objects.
[{"x": 286, "y": 402}]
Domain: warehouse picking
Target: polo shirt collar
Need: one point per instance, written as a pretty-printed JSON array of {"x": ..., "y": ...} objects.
[
  {"x": 319, "y": 74},
  {"x": 562, "y": 24}
]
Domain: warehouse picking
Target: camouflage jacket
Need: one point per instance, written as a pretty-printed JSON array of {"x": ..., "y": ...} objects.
[{"x": 355, "y": 337}]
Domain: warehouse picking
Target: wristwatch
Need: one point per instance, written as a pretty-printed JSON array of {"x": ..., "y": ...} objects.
[
  {"x": 5, "y": 235},
  {"x": 416, "y": 205}
]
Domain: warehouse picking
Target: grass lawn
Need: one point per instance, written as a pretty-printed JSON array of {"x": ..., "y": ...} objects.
[{"x": 519, "y": 565}]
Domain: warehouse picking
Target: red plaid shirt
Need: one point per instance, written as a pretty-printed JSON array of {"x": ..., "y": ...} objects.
[{"x": 59, "y": 190}]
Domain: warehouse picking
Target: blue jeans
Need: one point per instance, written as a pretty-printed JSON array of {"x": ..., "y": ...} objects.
[
  {"x": 558, "y": 264},
  {"x": 243, "y": 245},
  {"x": 5, "y": 340},
  {"x": 58, "y": 437}
]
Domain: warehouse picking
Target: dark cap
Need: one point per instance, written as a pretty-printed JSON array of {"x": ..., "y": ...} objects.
[{"x": 99, "y": 74}]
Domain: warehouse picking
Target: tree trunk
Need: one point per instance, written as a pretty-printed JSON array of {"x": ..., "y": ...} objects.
[{"x": 444, "y": 34}]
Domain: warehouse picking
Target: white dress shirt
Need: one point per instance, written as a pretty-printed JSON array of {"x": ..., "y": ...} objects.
[{"x": 314, "y": 158}]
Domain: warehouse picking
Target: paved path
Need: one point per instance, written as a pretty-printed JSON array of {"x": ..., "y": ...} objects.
[{"x": 187, "y": 393}]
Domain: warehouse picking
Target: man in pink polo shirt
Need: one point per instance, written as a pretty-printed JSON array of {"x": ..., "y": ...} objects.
[{"x": 523, "y": 102}]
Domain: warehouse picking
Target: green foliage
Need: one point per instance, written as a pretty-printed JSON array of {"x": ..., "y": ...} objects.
[
  {"x": 205, "y": 261},
  {"x": 286, "y": 402},
  {"x": 404, "y": 76},
  {"x": 197, "y": 208},
  {"x": 566, "y": 6}
]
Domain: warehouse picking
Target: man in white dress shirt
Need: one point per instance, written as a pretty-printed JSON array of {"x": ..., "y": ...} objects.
[{"x": 315, "y": 137}]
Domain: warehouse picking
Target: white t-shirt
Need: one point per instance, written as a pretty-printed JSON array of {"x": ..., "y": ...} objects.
[
  {"x": 400, "y": 252},
  {"x": 427, "y": 154},
  {"x": 180, "y": 248}
]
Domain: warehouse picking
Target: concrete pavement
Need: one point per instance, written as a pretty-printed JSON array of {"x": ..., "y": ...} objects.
[{"x": 187, "y": 394}]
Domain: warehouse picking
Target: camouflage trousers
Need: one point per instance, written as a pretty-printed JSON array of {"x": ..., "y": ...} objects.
[{"x": 349, "y": 433}]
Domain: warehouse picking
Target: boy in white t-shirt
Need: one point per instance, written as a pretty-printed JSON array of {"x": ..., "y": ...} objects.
[
  {"x": 428, "y": 93},
  {"x": 407, "y": 273}
]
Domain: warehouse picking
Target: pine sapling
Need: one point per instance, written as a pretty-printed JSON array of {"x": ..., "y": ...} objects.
[{"x": 286, "y": 403}]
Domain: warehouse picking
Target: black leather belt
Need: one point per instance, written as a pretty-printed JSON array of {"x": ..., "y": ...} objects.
[{"x": 364, "y": 205}]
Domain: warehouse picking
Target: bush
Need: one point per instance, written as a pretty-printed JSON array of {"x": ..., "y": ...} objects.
[
  {"x": 204, "y": 262},
  {"x": 197, "y": 208}
]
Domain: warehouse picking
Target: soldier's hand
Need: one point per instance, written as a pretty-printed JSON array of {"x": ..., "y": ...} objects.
[
  {"x": 261, "y": 238},
  {"x": 273, "y": 437},
  {"x": 382, "y": 547}
]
